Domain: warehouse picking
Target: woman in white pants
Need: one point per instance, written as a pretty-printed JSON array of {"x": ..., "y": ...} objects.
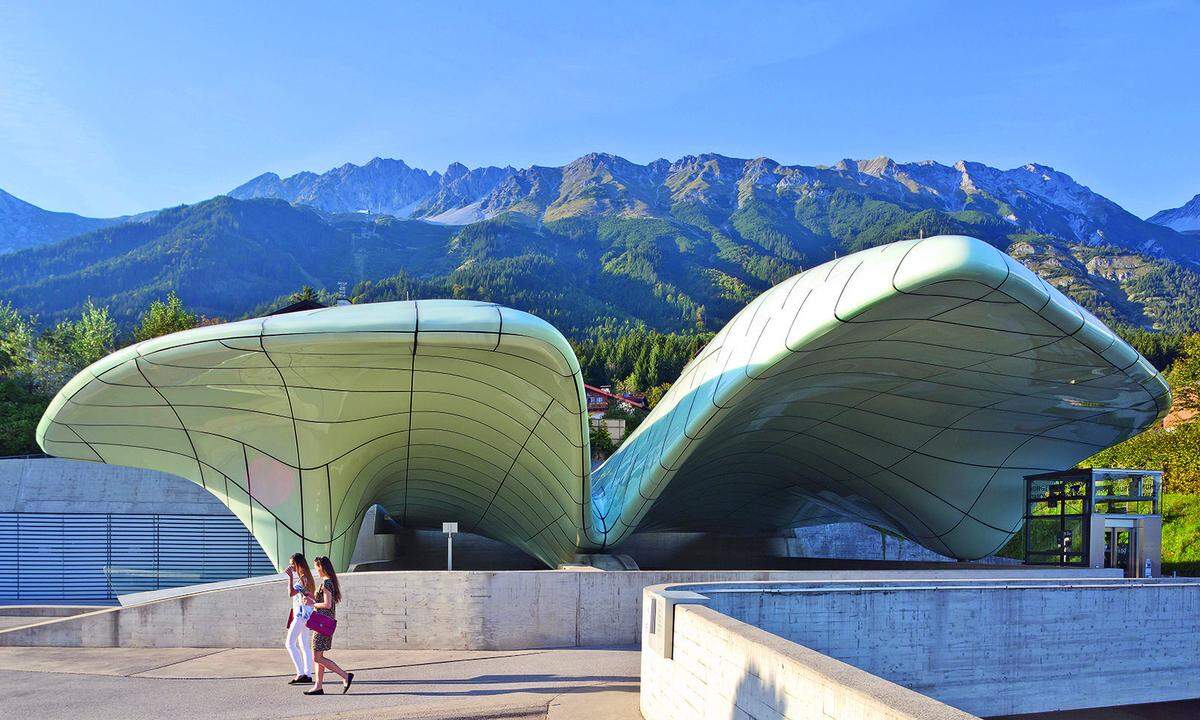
[{"x": 299, "y": 637}]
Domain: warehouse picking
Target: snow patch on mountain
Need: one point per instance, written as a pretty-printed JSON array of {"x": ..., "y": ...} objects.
[{"x": 464, "y": 215}]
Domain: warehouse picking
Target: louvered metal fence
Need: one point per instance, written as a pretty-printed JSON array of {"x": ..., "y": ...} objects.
[{"x": 94, "y": 557}]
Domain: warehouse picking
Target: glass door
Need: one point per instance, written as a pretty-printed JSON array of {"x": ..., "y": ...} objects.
[{"x": 1118, "y": 547}]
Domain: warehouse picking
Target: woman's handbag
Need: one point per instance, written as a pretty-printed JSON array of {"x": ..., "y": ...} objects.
[{"x": 321, "y": 624}]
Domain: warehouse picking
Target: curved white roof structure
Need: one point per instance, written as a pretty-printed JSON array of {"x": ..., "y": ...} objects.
[{"x": 911, "y": 386}]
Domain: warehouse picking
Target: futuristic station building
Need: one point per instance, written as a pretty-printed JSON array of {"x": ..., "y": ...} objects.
[{"x": 912, "y": 386}]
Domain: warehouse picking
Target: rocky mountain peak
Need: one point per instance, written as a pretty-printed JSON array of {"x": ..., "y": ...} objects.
[
  {"x": 1185, "y": 218},
  {"x": 455, "y": 170},
  {"x": 877, "y": 167}
]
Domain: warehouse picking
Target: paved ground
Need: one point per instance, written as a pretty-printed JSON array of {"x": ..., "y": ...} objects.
[{"x": 178, "y": 683}]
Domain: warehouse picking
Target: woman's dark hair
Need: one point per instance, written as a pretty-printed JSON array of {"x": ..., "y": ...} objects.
[
  {"x": 306, "y": 576},
  {"x": 326, "y": 569}
]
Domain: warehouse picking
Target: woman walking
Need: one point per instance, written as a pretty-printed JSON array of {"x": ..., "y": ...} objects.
[
  {"x": 299, "y": 637},
  {"x": 328, "y": 595}
]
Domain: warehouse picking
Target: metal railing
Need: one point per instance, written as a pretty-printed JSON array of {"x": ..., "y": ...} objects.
[{"x": 94, "y": 557}]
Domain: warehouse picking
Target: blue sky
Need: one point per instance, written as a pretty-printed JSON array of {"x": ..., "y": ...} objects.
[{"x": 110, "y": 108}]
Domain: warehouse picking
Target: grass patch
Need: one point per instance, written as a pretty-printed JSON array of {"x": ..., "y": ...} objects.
[{"x": 1181, "y": 534}]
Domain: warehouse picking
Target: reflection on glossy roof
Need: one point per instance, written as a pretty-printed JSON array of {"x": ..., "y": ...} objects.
[{"x": 911, "y": 386}]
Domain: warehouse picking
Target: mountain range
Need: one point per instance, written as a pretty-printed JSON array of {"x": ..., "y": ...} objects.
[
  {"x": 602, "y": 240},
  {"x": 1033, "y": 197}
]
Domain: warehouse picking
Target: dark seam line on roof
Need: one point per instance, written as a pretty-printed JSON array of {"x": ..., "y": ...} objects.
[
  {"x": 437, "y": 458},
  {"x": 900, "y": 263},
  {"x": 816, "y": 422},
  {"x": 295, "y": 436},
  {"x": 250, "y": 493},
  {"x": 332, "y": 422},
  {"x": 934, "y": 319},
  {"x": 461, "y": 484},
  {"x": 905, "y": 341},
  {"x": 321, "y": 389},
  {"x": 842, "y": 291},
  {"x": 545, "y": 527},
  {"x": 247, "y": 489},
  {"x": 470, "y": 348},
  {"x": 500, "y": 330},
  {"x": 643, "y": 510},
  {"x": 866, "y": 480},
  {"x": 260, "y": 334},
  {"x": 1041, "y": 434},
  {"x": 217, "y": 470},
  {"x": 983, "y": 299},
  {"x": 510, "y": 467},
  {"x": 862, "y": 478},
  {"x": 732, "y": 438},
  {"x": 948, "y": 369},
  {"x": 788, "y": 295},
  {"x": 989, "y": 406},
  {"x": 85, "y": 442},
  {"x": 188, "y": 435},
  {"x": 412, "y": 381}
]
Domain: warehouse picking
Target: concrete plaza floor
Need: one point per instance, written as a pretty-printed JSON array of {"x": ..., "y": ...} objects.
[{"x": 134, "y": 683}]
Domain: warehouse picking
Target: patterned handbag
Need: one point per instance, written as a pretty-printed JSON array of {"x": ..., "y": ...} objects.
[{"x": 321, "y": 624}]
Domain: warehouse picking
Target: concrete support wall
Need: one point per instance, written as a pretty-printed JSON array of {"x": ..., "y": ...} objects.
[
  {"x": 415, "y": 610},
  {"x": 53, "y": 485},
  {"x": 995, "y": 648},
  {"x": 724, "y": 668}
]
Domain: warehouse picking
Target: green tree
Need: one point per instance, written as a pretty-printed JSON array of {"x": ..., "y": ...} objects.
[
  {"x": 17, "y": 337},
  {"x": 21, "y": 407},
  {"x": 70, "y": 346},
  {"x": 164, "y": 317},
  {"x": 602, "y": 442},
  {"x": 93, "y": 336},
  {"x": 655, "y": 394},
  {"x": 305, "y": 293},
  {"x": 1184, "y": 375}
]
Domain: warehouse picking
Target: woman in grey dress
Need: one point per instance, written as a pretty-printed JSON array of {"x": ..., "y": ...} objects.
[{"x": 329, "y": 594}]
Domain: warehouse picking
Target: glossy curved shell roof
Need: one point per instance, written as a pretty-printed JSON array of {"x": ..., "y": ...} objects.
[{"x": 911, "y": 386}]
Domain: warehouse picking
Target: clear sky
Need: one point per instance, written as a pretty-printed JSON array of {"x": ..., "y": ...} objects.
[{"x": 110, "y": 108}]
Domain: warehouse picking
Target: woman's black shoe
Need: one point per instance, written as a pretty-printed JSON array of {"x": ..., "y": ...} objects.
[
  {"x": 302, "y": 680},
  {"x": 346, "y": 685},
  {"x": 315, "y": 692}
]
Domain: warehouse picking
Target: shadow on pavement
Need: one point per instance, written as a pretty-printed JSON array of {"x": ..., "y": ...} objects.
[{"x": 599, "y": 683}]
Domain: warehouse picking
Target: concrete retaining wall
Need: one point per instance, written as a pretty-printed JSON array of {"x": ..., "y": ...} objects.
[
  {"x": 54, "y": 485},
  {"x": 416, "y": 610},
  {"x": 724, "y": 668},
  {"x": 988, "y": 648}
]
